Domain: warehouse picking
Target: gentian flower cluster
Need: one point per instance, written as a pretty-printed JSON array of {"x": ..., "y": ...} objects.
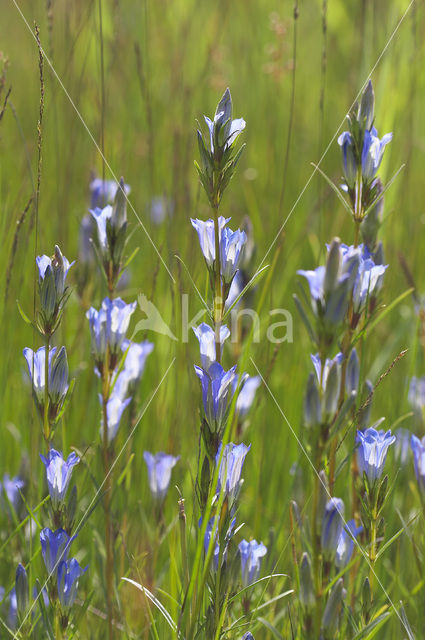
[{"x": 53, "y": 291}]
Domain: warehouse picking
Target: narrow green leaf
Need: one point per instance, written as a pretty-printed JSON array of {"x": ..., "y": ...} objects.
[
  {"x": 334, "y": 188},
  {"x": 203, "y": 302},
  {"x": 389, "y": 308}
]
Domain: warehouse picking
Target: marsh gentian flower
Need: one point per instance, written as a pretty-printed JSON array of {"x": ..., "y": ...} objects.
[
  {"x": 54, "y": 548},
  {"x": 206, "y": 234},
  {"x": 58, "y": 473},
  {"x": 418, "y": 449},
  {"x": 52, "y": 288},
  {"x": 330, "y": 380},
  {"x": 11, "y": 487},
  {"x": 58, "y": 377},
  {"x": 402, "y": 445},
  {"x": 213, "y": 526},
  {"x": 229, "y": 477},
  {"x": 251, "y": 554},
  {"x": 372, "y": 452},
  {"x": 217, "y": 392},
  {"x": 207, "y": 345},
  {"x": 231, "y": 245},
  {"x": 159, "y": 472},
  {"x": 108, "y": 327},
  {"x": 223, "y": 130},
  {"x": 345, "y": 546},
  {"x": 367, "y": 283},
  {"x": 346, "y": 143},
  {"x": 114, "y": 409},
  {"x": 104, "y": 192},
  {"x": 134, "y": 366},
  {"x": 332, "y": 525},
  {"x": 69, "y": 573},
  {"x": 247, "y": 393},
  {"x": 22, "y": 591},
  {"x": 161, "y": 208},
  {"x": 372, "y": 152},
  {"x": 307, "y": 592},
  {"x": 352, "y": 373},
  {"x": 85, "y": 249},
  {"x": 331, "y": 285},
  {"x": 248, "y": 636}
]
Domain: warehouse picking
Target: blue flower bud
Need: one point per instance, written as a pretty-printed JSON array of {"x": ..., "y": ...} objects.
[
  {"x": 307, "y": 593},
  {"x": 104, "y": 192},
  {"x": 367, "y": 106},
  {"x": 251, "y": 554},
  {"x": 312, "y": 408},
  {"x": 58, "y": 472},
  {"x": 330, "y": 620},
  {"x": 345, "y": 546},
  {"x": 69, "y": 574},
  {"x": 58, "y": 382},
  {"x": 22, "y": 591},
  {"x": 119, "y": 209},
  {"x": 159, "y": 472},
  {"x": 372, "y": 452},
  {"x": 418, "y": 449},
  {"x": 248, "y": 636},
  {"x": 217, "y": 392},
  {"x": 247, "y": 393},
  {"x": 349, "y": 164},
  {"x": 352, "y": 375},
  {"x": 332, "y": 525},
  {"x": 10, "y": 487},
  {"x": 52, "y": 286}
]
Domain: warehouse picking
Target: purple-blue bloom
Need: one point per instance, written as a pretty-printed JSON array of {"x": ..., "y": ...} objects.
[
  {"x": 69, "y": 574},
  {"x": 251, "y": 554},
  {"x": 134, "y": 366},
  {"x": 58, "y": 472},
  {"x": 223, "y": 130},
  {"x": 418, "y": 449},
  {"x": 108, "y": 327},
  {"x": 114, "y": 409},
  {"x": 247, "y": 393},
  {"x": 346, "y": 143},
  {"x": 104, "y": 191},
  {"x": 11, "y": 487},
  {"x": 36, "y": 364},
  {"x": 212, "y": 528},
  {"x": 159, "y": 472},
  {"x": 217, "y": 392},
  {"x": 372, "y": 153},
  {"x": 58, "y": 267},
  {"x": 54, "y": 548},
  {"x": 345, "y": 546},
  {"x": 229, "y": 476},
  {"x": 332, "y": 526},
  {"x": 372, "y": 452},
  {"x": 207, "y": 345},
  {"x": 330, "y": 380},
  {"x": 57, "y": 376}
]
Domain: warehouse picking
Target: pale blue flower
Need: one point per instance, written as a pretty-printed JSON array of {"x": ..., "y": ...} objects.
[
  {"x": 217, "y": 392},
  {"x": 12, "y": 488},
  {"x": 332, "y": 526},
  {"x": 372, "y": 153},
  {"x": 372, "y": 452},
  {"x": 104, "y": 191},
  {"x": 54, "y": 548},
  {"x": 115, "y": 407},
  {"x": 251, "y": 554},
  {"x": 223, "y": 130},
  {"x": 346, "y": 143},
  {"x": 69, "y": 573},
  {"x": 207, "y": 344},
  {"x": 57, "y": 377},
  {"x": 36, "y": 368},
  {"x": 345, "y": 546},
  {"x": 134, "y": 366},
  {"x": 229, "y": 476},
  {"x": 159, "y": 472},
  {"x": 58, "y": 473},
  {"x": 108, "y": 327},
  {"x": 232, "y": 244},
  {"x": 416, "y": 398},
  {"x": 56, "y": 268},
  {"x": 213, "y": 527},
  {"x": 206, "y": 234},
  {"x": 247, "y": 393},
  {"x": 418, "y": 449}
]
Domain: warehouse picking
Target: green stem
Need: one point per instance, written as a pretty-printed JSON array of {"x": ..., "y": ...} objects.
[
  {"x": 107, "y": 501},
  {"x": 218, "y": 294},
  {"x": 46, "y": 425},
  {"x": 58, "y": 624}
]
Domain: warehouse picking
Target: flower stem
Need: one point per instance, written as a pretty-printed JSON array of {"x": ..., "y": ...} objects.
[
  {"x": 46, "y": 424},
  {"x": 218, "y": 294},
  {"x": 107, "y": 499}
]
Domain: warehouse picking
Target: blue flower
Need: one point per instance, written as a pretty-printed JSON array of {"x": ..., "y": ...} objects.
[
  {"x": 416, "y": 398},
  {"x": 251, "y": 554},
  {"x": 248, "y": 636},
  {"x": 367, "y": 283},
  {"x": 114, "y": 409},
  {"x": 346, "y": 143},
  {"x": 58, "y": 266},
  {"x": 104, "y": 191},
  {"x": 52, "y": 288},
  {"x": 58, "y": 377},
  {"x": 160, "y": 209},
  {"x": 231, "y": 245},
  {"x": 58, "y": 472},
  {"x": 345, "y": 546},
  {"x": 134, "y": 366},
  {"x": 229, "y": 476},
  {"x": 159, "y": 472},
  {"x": 11, "y": 487},
  {"x": 69, "y": 574},
  {"x": 418, "y": 449},
  {"x": 246, "y": 395},
  {"x": 223, "y": 130},
  {"x": 205, "y": 230},
  {"x": 108, "y": 327},
  {"x": 206, "y": 337},
  {"x": 372, "y": 452},
  {"x": 331, "y": 382},
  {"x": 353, "y": 373},
  {"x": 213, "y": 529},
  {"x": 372, "y": 153},
  {"x": 217, "y": 392},
  {"x": 85, "y": 251},
  {"x": 54, "y": 548},
  {"x": 332, "y": 526}
]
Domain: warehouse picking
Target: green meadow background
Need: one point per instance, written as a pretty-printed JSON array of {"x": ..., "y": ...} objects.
[{"x": 166, "y": 63}]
